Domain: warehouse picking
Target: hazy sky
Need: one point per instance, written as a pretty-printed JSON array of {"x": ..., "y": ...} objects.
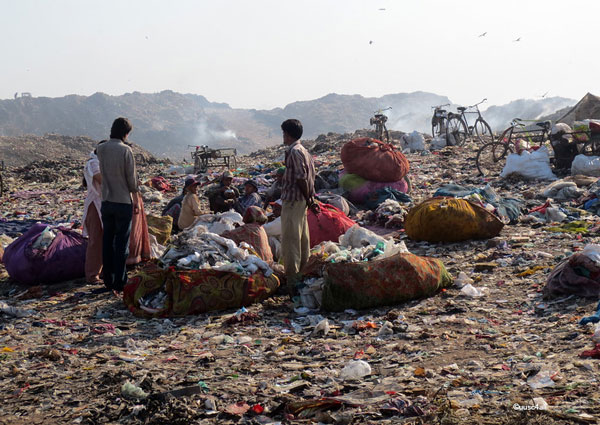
[{"x": 267, "y": 53}]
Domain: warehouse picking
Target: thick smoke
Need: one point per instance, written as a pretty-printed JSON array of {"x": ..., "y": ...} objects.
[{"x": 214, "y": 138}]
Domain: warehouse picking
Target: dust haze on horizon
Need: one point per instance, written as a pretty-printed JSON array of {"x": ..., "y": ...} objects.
[{"x": 268, "y": 53}]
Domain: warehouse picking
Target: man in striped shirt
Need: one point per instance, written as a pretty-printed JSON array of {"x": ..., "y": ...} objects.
[{"x": 297, "y": 194}]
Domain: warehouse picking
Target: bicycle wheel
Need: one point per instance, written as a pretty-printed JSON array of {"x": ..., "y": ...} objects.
[
  {"x": 483, "y": 131},
  {"x": 456, "y": 131},
  {"x": 490, "y": 158}
]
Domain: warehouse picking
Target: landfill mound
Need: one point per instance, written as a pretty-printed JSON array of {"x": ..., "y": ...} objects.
[
  {"x": 20, "y": 151},
  {"x": 493, "y": 351}
]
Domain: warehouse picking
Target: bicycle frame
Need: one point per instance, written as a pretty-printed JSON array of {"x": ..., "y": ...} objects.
[
  {"x": 518, "y": 131},
  {"x": 463, "y": 115}
]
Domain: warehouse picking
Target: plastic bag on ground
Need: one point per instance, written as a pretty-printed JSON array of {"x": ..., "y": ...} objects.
[
  {"x": 531, "y": 165},
  {"x": 413, "y": 141},
  {"x": 586, "y": 165},
  {"x": 355, "y": 369},
  {"x": 438, "y": 142}
]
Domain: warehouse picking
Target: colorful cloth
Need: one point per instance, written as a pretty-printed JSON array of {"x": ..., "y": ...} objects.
[
  {"x": 388, "y": 281},
  {"x": 93, "y": 253},
  {"x": 577, "y": 275},
  {"x": 197, "y": 291},
  {"x": 139, "y": 240}
]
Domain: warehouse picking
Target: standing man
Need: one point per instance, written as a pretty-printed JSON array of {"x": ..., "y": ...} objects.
[
  {"x": 119, "y": 181},
  {"x": 297, "y": 194}
]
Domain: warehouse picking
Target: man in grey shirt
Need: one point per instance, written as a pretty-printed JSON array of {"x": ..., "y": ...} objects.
[{"x": 119, "y": 180}]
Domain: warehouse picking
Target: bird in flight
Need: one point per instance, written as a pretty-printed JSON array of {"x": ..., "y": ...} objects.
[
  {"x": 370, "y": 41},
  {"x": 545, "y": 94},
  {"x": 483, "y": 35},
  {"x": 518, "y": 39},
  {"x": 382, "y": 8}
]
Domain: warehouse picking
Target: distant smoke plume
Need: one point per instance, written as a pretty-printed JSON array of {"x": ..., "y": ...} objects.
[{"x": 214, "y": 138}]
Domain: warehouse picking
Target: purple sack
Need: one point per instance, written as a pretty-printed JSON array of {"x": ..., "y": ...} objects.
[{"x": 63, "y": 260}]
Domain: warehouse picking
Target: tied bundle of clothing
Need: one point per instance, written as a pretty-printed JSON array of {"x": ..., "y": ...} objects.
[
  {"x": 366, "y": 271},
  {"x": 577, "y": 275},
  {"x": 203, "y": 271}
]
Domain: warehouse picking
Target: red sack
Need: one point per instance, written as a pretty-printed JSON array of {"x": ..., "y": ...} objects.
[
  {"x": 374, "y": 160},
  {"x": 328, "y": 225},
  {"x": 161, "y": 184}
]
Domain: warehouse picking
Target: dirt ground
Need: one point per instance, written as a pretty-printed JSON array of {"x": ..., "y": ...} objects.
[{"x": 451, "y": 359}]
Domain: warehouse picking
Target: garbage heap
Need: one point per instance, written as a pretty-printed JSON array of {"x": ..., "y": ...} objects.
[{"x": 201, "y": 271}]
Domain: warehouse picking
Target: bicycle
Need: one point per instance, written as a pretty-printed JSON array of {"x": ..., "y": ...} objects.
[
  {"x": 438, "y": 121},
  {"x": 516, "y": 138},
  {"x": 457, "y": 128},
  {"x": 379, "y": 121}
]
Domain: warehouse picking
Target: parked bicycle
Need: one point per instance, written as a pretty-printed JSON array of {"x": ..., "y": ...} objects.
[
  {"x": 529, "y": 134},
  {"x": 458, "y": 129},
  {"x": 438, "y": 121},
  {"x": 517, "y": 137},
  {"x": 379, "y": 121}
]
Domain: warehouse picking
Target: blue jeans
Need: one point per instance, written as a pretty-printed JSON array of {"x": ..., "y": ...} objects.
[{"x": 116, "y": 220}]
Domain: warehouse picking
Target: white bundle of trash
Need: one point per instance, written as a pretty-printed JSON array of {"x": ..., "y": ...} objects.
[
  {"x": 208, "y": 250},
  {"x": 215, "y": 223}
]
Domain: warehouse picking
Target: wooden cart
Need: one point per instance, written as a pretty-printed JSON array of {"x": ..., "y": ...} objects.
[{"x": 205, "y": 157}]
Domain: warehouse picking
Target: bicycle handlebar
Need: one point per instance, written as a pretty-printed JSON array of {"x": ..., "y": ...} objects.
[
  {"x": 477, "y": 104},
  {"x": 440, "y": 106},
  {"x": 379, "y": 111}
]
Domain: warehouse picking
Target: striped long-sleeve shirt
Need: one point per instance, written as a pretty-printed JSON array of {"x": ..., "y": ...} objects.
[{"x": 299, "y": 165}]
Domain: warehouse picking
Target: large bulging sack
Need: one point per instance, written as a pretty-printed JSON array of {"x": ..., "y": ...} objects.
[
  {"x": 195, "y": 291},
  {"x": 577, "y": 275},
  {"x": 359, "y": 190},
  {"x": 64, "y": 259},
  {"x": 450, "y": 220},
  {"x": 586, "y": 166},
  {"x": 328, "y": 225},
  {"x": 374, "y": 160},
  {"x": 388, "y": 281},
  {"x": 160, "y": 227}
]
